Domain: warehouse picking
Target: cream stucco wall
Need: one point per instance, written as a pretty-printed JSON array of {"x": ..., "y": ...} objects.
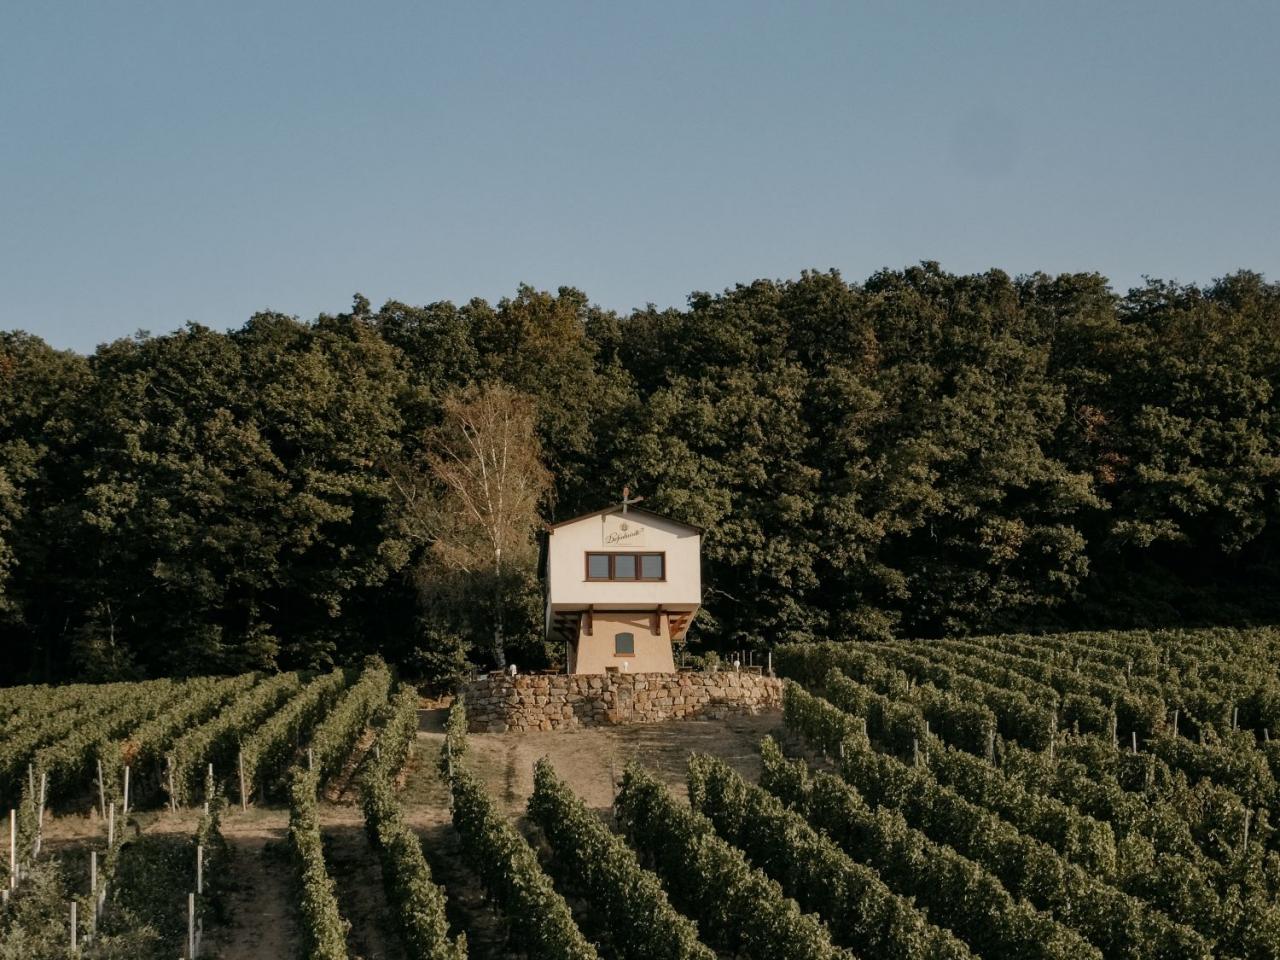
[
  {"x": 592, "y": 654},
  {"x": 568, "y": 545}
]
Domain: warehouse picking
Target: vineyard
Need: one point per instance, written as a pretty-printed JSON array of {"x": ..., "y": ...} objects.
[{"x": 1056, "y": 797}]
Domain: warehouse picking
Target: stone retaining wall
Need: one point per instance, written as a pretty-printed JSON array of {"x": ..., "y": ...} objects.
[{"x": 498, "y": 703}]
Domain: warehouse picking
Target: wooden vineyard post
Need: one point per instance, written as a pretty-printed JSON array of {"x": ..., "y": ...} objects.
[
  {"x": 1235, "y": 718},
  {"x": 200, "y": 869},
  {"x": 311, "y": 760},
  {"x": 125, "y": 810},
  {"x": 173, "y": 800},
  {"x": 13, "y": 848},
  {"x": 244, "y": 801},
  {"x": 191, "y": 926},
  {"x": 93, "y": 890},
  {"x": 75, "y": 942},
  {"x": 771, "y": 662},
  {"x": 1135, "y": 741},
  {"x": 1175, "y": 722},
  {"x": 111, "y": 825},
  {"x": 915, "y": 752},
  {"x": 44, "y": 783},
  {"x": 102, "y": 791}
]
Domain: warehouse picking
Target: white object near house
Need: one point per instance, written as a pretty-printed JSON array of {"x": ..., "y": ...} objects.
[{"x": 622, "y": 585}]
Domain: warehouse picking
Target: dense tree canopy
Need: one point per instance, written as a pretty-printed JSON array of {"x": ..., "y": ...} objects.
[{"x": 917, "y": 454}]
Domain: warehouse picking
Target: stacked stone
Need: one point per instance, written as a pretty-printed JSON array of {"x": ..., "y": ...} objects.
[{"x": 499, "y": 703}]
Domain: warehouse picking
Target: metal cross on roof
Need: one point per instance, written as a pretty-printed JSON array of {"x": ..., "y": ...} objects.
[{"x": 627, "y": 499}]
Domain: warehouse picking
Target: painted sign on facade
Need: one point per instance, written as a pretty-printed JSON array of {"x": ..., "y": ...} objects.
[{"x": 621, "y": 530}]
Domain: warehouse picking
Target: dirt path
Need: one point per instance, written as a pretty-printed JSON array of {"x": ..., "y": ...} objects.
[
  {"x": 261, "y": 904},
  {"x": 356, "y": 870},
  {"x": 425, "y": 801}
]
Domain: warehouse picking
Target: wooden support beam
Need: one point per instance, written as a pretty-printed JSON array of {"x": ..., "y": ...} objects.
[{"x": 590, "y": 621}]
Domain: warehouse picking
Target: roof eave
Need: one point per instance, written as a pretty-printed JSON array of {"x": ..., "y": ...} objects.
[{"x": 617, "y": 508}]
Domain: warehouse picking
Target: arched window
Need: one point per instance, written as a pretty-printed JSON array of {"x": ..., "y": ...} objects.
[{"x": 624, "y": 645}]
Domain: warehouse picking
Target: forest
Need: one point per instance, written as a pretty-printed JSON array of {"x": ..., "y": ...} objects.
[{"x": 920, "y": 454}]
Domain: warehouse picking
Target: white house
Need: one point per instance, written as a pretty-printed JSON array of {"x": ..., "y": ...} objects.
[{"x": 622, "y": 585}]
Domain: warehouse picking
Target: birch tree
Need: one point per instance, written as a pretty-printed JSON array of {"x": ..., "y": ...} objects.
[{"x": 473, "y": 495}]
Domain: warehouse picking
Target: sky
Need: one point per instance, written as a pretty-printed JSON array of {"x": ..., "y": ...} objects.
[{"x": 164, "y": 163}]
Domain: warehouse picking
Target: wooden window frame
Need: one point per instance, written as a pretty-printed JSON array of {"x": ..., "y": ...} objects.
[
  {"x": 624, "y": 656},
  {"x": 612, "y": 578}
]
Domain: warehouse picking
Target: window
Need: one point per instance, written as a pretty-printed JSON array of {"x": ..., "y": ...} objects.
[
  {"x": 626, "y": 566},
  {"x": 652, "y": 566},
  {"x": 597, "y": 566},
  {"x": 624, "y": 645}
]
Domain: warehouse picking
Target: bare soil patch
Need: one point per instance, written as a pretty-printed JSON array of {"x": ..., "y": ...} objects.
[
  {"x": 261, "y": 906},
  {"x": 592, "y": 760},
  {"x": 357, "y": 872}
]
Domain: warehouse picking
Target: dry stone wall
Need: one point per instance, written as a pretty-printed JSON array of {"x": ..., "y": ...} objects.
[{"x": 497, "y": 703}]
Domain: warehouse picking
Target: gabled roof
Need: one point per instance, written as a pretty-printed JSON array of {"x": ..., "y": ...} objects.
[{"x": 617, "y": 508}]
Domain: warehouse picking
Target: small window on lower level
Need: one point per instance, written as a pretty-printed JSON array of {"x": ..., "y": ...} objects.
[{"x": 624, "y": 645}]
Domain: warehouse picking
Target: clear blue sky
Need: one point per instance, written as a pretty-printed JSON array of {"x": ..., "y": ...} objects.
[{"x": 173, "y": 161}]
